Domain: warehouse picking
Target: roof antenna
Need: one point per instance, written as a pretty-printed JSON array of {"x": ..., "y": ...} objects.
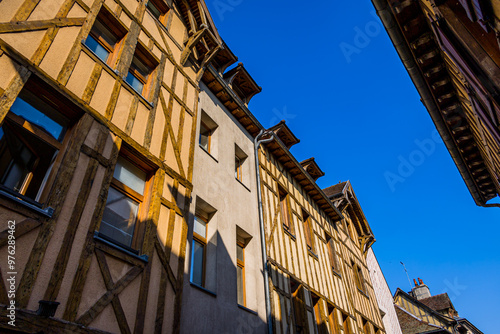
[{"x": 406, "y": 271}]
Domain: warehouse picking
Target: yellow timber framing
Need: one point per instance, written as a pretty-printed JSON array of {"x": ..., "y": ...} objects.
[{"x": 288, "y": 253}]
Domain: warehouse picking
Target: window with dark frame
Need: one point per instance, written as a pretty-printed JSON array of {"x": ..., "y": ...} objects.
[
  {"x": 140, "y": 70},
  {"x": 105, "y": 37},
  {"x": 159, "y": 10},
  {"x": 125, "y": 206},
  {"x": 308, "y": 231},
  {"x": 31, "y": 137},
  {"x": 285, "y": 210},
  {"x": 240, "y": 270},
  {"x": 332, "y": 254},
  {"x": 199, "y": 251}
]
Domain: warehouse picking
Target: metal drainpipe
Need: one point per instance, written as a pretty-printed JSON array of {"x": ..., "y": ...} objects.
[{"x": 257, "y": 143}]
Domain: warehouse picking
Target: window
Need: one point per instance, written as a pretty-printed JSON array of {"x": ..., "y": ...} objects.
[
  {"x": 31, "y": 137},
  {"x": 239, "y": 159},
  {"x": 205, "y": 136},
  {"x": 308, "y": 231},
  {"x": 125, "y": 205},
  {"x": 332, "y": 254},
  {"x": 240, "y": 268},
  {"x": 285, "y": 210},
  {"x": 358, "y": 277},
  {"x": 206, "y": 139},
  {"x": 140, "y": 70},
  {"x": 303, "y": 308},
  {"x": 105, "y": 37},
  {"x": 199, "y": 251},
  {"x": 159, "y": 9}
]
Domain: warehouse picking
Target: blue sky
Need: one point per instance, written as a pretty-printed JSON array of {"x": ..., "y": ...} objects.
[{"x": 330, "y": 70}]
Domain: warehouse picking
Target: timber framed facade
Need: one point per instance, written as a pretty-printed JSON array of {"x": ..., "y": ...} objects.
[
  {"x": 451, "y": 50},
  {"x": 108, "y": 90}
]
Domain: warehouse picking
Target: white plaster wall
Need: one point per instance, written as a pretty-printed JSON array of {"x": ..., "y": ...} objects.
[
  {"x": 236, "y": 204},
  {"x": 383, "y": 294}
]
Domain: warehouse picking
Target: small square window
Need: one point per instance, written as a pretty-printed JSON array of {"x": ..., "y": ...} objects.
[
  {"x": 239, "y": 160},
  {"x": 140, "y": 70},
  {"x": 159, "y": 9},
  {"x": 207, "y": 137},
  {"x": 105, "y": 37}
]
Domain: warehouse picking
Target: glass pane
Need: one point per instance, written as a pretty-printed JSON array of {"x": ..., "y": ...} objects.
[
  {"x": 130, "y": 175},
  {"x": 200, "y": 227},
  {"x": 154, "y": 10},
  {"x": 197, "y": 263},
  {"x": 140, "y": 67},
  {"x": 239, "y": 253},
  {"x": 33, "y": 115},
  {"x": 241, "y": 293},
  {"x": 16, "y": 160},
  {"x": 204, "y": 136},
  {"x": 134, "y": 82},
  {"x": 102, "y": 31},
  {"x": 120, "y": 215},
  {"x": 97, "y": 48}
]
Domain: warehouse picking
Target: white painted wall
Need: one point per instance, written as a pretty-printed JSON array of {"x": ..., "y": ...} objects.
[{"x": 383, "y": 294}]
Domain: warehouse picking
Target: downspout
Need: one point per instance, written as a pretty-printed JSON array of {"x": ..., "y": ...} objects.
[
  {"x": 389, "y": 22},
  {"x": 257, "y": 143}
]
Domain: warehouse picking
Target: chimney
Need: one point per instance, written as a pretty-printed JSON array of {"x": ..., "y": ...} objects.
[{"x": 421, "y": 290}]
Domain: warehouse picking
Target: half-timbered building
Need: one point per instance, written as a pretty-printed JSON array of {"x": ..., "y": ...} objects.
[
  {"x": 451, "y": 50},
  {"x": 98, "y": 108}
]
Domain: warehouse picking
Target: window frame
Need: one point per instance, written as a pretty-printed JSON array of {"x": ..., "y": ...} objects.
[
  {"x": 332, "y": 319},
  {"x": 238, "y": 165},
  {"x": 286, "y": 217},
  {"x": 150, "y": 62},
  {"x": 203, "y": 241},
  {"x": 162, "y": 7},
  {"x": 109, "y": 22},
  {"x": 209, "y": 137},
  {"x": 308, "y": 231},
  {"x": 332, "y": 254},
  {"x": 359, "y": 278},
  {"x": 143, "y": 200},
  {"x": 345, "y": 323},
  {"x": 241, "y": 264},
  {"x": 64, "y": 113}
]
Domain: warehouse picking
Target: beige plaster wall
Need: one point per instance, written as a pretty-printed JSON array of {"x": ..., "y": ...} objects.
[{"x": 236, "y": 203}]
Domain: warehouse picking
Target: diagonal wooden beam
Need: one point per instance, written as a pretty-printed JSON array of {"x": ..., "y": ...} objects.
[
  {"x": 21, "y": 26},
  {"x": 107, "y": 298},
  {"x": 22, "y": 228},
  {"x": 165, "y": 264},
  {"x": 115, "y": 302}
]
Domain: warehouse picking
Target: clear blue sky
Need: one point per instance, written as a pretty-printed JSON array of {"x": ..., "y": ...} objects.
[{"x": 350, "y": 101}]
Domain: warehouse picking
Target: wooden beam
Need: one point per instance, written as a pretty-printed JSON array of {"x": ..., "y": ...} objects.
[{"x": 21, "y": 26}]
